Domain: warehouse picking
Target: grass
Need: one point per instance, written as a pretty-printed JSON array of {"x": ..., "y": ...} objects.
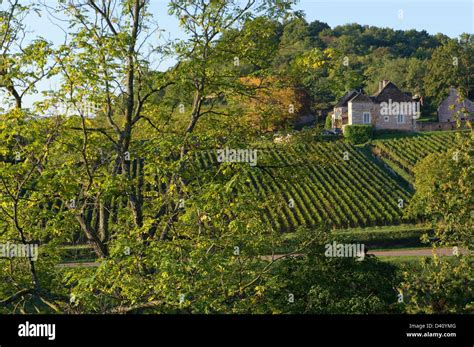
[
  {"x": 398, "y": 170},
  {"x": 412, "y": 262},
  {"x": 391, "y": 237},
  {"x": 404, "y": 249},
  {"x": 402, "y": 236},
  {"x": 410, "y": 134},
  {"x": 402, "y": 177},
  {"x": 386, "y": 229},
  {"x": 404, "y": 261}
]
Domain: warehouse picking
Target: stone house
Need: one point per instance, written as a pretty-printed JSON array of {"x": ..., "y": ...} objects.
[
  {"x": 451, "y": 108},
  {"x": 389, "y": 108}
]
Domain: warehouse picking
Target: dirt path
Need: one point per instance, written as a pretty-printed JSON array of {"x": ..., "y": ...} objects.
[
  {"x": 427, "y": 252},
  {"x": 424, "y": 252},
  {"x": 78, "y": 264}
]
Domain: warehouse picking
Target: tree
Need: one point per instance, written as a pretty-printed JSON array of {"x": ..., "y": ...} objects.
[
  {"x": 439, "y": 286},
  {"x": 21, "y": 66},
  {"x": 170, "y": 226},
  {"x": 327, "y": 75},
  {"x": 444, "y": 192},
  {"x": 208, "y": 68},
  {"x": 395, "y": 70},
  {"x": 317, "y": 284},
  {"x": 25, "y": 144},
  {"x": 106, "y": 63},
  {"x": 451, "y": 65},
  {"x": 275, "y": 105},
  {"x": 443, "y": 183},
  {"x": 294, "y": 41}
]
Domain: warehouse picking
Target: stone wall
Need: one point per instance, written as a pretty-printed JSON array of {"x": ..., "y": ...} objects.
[
  {"x": 391, "y": 122},
  {"x": 432, "y": 126},
  {"x": 357, "y": 109},
  {"x": 446, "y": 114}
]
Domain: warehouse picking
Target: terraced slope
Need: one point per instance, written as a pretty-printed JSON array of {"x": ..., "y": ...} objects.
[
  {"x": 331, "y": 183},
  {"x": 407, "y": 151}
]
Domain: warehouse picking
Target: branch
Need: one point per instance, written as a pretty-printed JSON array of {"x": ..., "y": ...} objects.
[
  {"x": 17, "y": 295},
  {"x": 128, "y": 309},
  {"x": 104, "y": 15}
]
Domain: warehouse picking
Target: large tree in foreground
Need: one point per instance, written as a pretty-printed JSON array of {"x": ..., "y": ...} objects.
[
  {"x": 25, "y": 145},
  {"x": 106, "y": 64},
  {"x": 443, "y": 183}
]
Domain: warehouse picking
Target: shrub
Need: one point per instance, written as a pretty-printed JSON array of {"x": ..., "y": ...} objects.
[
  {"x": 358, "y": 133},
  {"x": 328, "y": 122}
]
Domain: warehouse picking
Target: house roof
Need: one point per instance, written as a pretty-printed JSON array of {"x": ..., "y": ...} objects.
[
  {"x": 361, "y": 97},
  {"x": 345, "y": 99},
  {"x": 455, "y": 91},
  {"x": 391, "y": 91}
]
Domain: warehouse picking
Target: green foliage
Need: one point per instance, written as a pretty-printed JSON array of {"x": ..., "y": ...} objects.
[
  {"x": 22, "y": 65},
  {"x": 358, "y": 133},
  {"x": 328, "y": 122},
  {"x": 443, "y": 183},
  {"x": 327, "y": 75},
  {"x": 386, "y": 237},
  {"x": 328, "y": 285},
  {"x": 440, "y": 286},
  {"x": 405, "y": 73},
  {"x": 451, "y": 65},
  {"x": 294, "y": 40},
  {"x": 139, "y": 188}
]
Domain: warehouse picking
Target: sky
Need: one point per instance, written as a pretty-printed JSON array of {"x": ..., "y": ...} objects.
[{"x": 450, "y": 17}]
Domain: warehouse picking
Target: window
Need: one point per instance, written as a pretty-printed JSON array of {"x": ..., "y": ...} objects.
[
  {"x": 400, "y": 119},
  {"x": 366, "y": 117}
]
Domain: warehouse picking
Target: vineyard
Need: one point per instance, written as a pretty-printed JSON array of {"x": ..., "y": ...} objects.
[
  {"x": 323, "y": 183},
  {"x": 407, "y": 151},
  {"x": 326, "y": 183}
]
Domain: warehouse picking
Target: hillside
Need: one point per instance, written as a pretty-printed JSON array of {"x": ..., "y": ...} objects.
[
  {"x": 407, "y": 151},
  {"x": 226, "y": 157},
  {"x": 337, "y": 184},
  {"x": 334, "y": 184}
]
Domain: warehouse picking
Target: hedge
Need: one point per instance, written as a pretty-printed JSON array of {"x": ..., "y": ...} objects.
[{"x": 358, "y": 133}]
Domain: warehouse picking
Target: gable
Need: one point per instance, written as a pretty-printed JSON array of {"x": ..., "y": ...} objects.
[
  {"x": 348, "y": 96},
  {"x": 391, "y": 92},
  {"x": 362, "y": 98},
  {"x": 451, "y": 105}
]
